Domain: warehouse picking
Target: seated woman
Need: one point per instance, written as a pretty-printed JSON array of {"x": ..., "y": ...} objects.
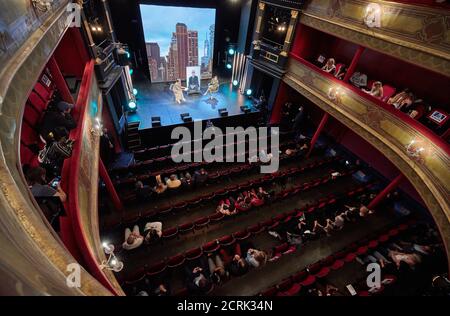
[
  {"x": 330, "y": 66},
  {"x": 411, "y": 259},
  {"x": 243, "y": 203},
  {"x": 401, "y": 99},
  {"x": 376, "y": 91},
  {"x": 217, "y": 269},
  {"x": 225, "y": 208},
  {"x": 173, "y": 182},
  {"x": 235, "y": 264},
  {"x": 255, "y": 199},
  {"x": 133, "y": 239},
  {"x": 152, "y": 231},
  {"x": 256, "y": 258},
  {"x": 213, "y": 87},
  {"x": 160, "y": 186},
  {"x": 339, "y": 221}
]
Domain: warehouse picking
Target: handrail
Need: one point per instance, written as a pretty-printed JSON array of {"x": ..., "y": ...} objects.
[
  {"x": 404, "y": 117},
  {"x": 71, "y": 170}
]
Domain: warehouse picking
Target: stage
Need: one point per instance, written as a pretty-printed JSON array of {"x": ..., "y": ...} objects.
[{"x": 155, "y": 99}]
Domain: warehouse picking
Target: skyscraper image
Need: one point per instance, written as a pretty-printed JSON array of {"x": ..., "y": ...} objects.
[
  {"x": 192, "y": 48},
  {"x": 182, "y": 44}
]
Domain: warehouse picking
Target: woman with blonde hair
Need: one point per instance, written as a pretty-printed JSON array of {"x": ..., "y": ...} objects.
[
  {"x": 256, "y": 258},
  {"x": 376, "y": 91},
  {"x": 330, "y": 65}
]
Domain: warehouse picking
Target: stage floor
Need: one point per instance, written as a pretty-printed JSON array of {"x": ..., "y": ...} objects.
[{"x": 157, "y": 100}]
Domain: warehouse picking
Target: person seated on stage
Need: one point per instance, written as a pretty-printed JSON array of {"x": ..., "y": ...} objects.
[
  {"x": 330, "y": 66},
  {"x": 213, "y": 87},
  {"x": 152, "y": 231},
  {"x": 177, "y": 90},
  {"x": 160, "y": 186},
  {"x": 143, "y": 192},
  {"x": 376, "y": 91},
  {"x": 401, "y": 99},
  {"x": 193, "y": 83},
  {"x": 200, "y": 176},
  {"x": 173, "y": 182},
  {"x": 133, "y": 239}
]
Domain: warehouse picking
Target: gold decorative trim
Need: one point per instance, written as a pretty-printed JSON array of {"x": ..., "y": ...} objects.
[
  {"x": 386, "y": 132},
  {"x": 33, "y": 255}
]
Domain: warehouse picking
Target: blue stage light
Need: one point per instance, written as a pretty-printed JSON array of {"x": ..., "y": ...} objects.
[
  {"x": 231, "y": 51},
  {"x": 128, "y": 55},
  {"x": 132, "y": 105},
  {"x": 131, "y": 71},
  {"x": 235, "y": 82},
  {"x": 229, "y": 66},
  {"x": 249, "y": 92},
  {"x": 135, "y": 92}
]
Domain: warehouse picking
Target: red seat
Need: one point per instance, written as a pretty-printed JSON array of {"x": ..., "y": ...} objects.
[
  {"x": 372, "y": 244},
  {"x": 193, "y": 254},
  {"x": 300, "y": 276},
  {"x": 393, "y": 232},
  {"x": 202, "y": 222},
  {"x": 337, "y": 264},
  {"x": 363, "y": 293},
  {"x": 314, "y": 268},
  {"x": 310, "y": 280},
  {"x": 293, "y": 290},
  {"x": 255, "y": 229},
  {"x": 281, "y": 248},
  {"x": 165, "y": 210},
  {"x": 328, "y": 261},
  {"x": 183, "y": 228},
  {"x": 31, "y": 115},
  {"x": 137, "y": 276},
  {"x": 383, "y": 238},
  {"x": 267, "y": 223},
  {"x": 44, "y": 92},
  {"x": 156, "y": 268},
  {"x": 362, "y": 250},
  {"x": 270, "y": 291},
  {"x": 284, "y": 285},
  {"x": 175, "y": 261},
  {"x": 226, "y": 240},
  {"x": 323, "y": 272},
  {"x": 28, "y": 135},
  {"x": 278, "y": 218},
  {"x": 37, "y": 102},
  {"x": 169, "y": 233},
  {"x": 388, "y": 92},
  {"x": 211, "y": 246},
  {"x": 242, "y": 235},
  {"x": 350, "y": 257},
  {"x": 216, "y": 217}
]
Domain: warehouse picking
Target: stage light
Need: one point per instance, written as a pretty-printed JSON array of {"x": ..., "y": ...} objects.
[
  {"x": 135, "y": 92},
  {"x": 249, "y": 92},
  {"x": 128, "y": 55},
  {"x": 231, "y": 51},
  {"x": 235, "y": 82},
  {"x": 229, "y": 66},
  {"x": 132, "y": 105},
  {"x": 131, "y": 71}
]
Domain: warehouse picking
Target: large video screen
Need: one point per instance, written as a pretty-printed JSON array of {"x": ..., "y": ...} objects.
[{"x": 177, "y": 38}]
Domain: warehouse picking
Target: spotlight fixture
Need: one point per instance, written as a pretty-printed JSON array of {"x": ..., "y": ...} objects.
[
  {"x": 132, "y": 105},
  {"x": 248, "y": 92},
  {"x": 229, "y": 66},
  {"x": 131, "y": 71},
  {"x": 135, "y": 92},
  {"x": 112, "y": 263},
  {"x": 231, "y": 51},
  {"x": 235, "y": 83}
]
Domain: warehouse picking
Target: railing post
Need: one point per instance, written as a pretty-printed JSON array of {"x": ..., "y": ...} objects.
[
  {"x": 110, "y": 186},
  {"x": 60, "y": 82},
  {"x": 322, "y": 123},
  {"x": 353, "y": 64},
  {"x": 391, "y": 186}
]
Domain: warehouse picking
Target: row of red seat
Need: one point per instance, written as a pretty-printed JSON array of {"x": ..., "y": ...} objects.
[
  {"x": 163, "y": 150},
  {"x": 306, "y": 278},
  {"x": 181, "y": 206},
  {"x": 36, "y": 104},
  {"x": 184, "y": 167},
  {"x": 228, "y": 240}
]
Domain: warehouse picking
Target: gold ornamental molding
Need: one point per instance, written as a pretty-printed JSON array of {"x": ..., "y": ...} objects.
[
  {"x": 417, "y": 34},
  {"x": 34, "y": 260},
  {"x": 386, "y": 132}
]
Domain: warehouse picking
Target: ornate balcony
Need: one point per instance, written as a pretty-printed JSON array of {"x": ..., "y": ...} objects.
[{"x": 422, "y": 156}]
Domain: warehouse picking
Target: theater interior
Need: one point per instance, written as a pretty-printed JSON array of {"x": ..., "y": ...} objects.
[{"x": 353, "y": 96}]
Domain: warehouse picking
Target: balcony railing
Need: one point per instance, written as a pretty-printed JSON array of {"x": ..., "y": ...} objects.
[{"x": 420, "y": 154}]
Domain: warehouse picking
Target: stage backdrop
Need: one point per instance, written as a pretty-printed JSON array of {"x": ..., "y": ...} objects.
[{"x": 176, "y": 38}]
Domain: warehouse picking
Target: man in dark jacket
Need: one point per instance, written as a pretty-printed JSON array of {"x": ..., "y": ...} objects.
[{"x": 57, "y": 122}]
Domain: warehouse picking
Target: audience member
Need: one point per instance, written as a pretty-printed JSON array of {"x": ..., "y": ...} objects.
[
  {"x": 133, "y": 239},
  {"x": 200, "y": 176},
  {"x": 57, "y": 122},
  {"x": 143, "y": 192},
  {"x": 330, "y": 66},
  {"x": 364, "y": 211},
  {"x": 235, "y": 263},
  {"x": 173, "y": 182},
  {"x": 401, "y": 99},
  {"x": 160, "y": 186},
  {"x": 39, "y": 187},
  {"x": 376, "y": 91},
  {"x": 107, "y": 151},
  {"x": 198, "y": 282},
  {"x": 256, "y": 258},
  {"x": 186, "y": 180},
  {"x": 226, "y": 208},
  {"x": 217, "y": 269},
  {"x": 152, "y": 231}
]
